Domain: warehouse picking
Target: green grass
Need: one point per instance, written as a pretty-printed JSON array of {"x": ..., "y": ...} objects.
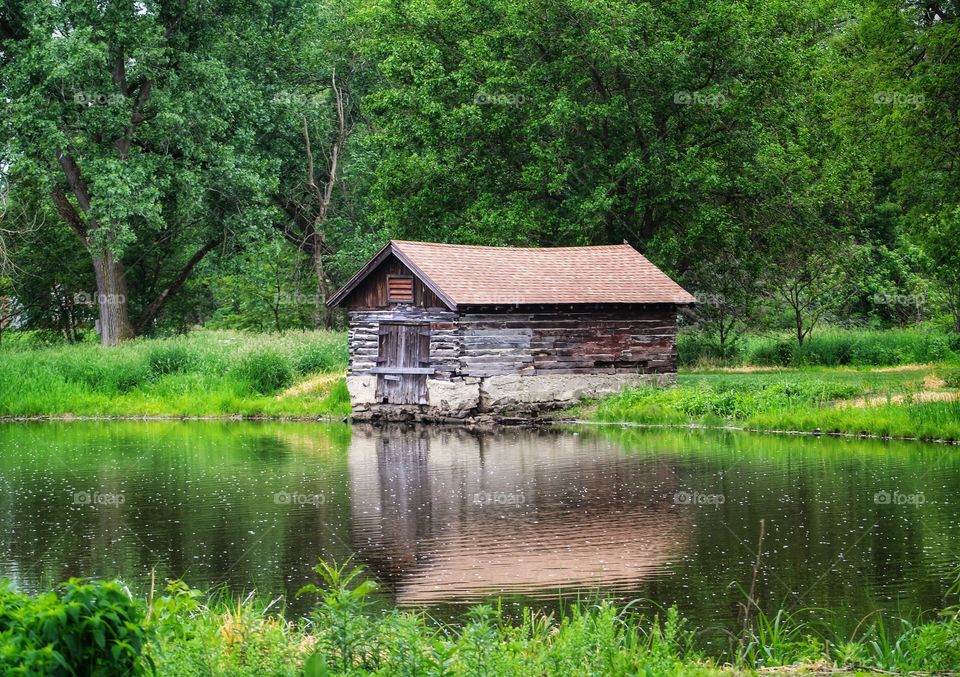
[
  {"x": 226, "y": 373},
  {"x": 829, "y": 347},
  {"x": 183, "y": 632},
  {"x": 805, "y": 400},
  {"x": 207, "y": 373}
]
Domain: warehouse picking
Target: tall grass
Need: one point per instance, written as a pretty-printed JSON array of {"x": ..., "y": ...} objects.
[
  {"x": 830, "y": 347},
  {"x": 804, "y": 401},
  {"x": 184, "y": 632},
  {"x": 206, "y": 373}
]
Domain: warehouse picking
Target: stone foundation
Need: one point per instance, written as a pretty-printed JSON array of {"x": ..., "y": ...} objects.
[{"x": 494, "y": 397}]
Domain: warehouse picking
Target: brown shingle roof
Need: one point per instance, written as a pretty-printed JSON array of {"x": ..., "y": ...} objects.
[{"x": 472, "y": 275}]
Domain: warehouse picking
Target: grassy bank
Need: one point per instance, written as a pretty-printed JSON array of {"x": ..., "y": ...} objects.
[
  {"x": 99, "y": 628},
  {"x": 298, "y": 374},
  {"x": 921, "y": 401},
  {"x": 206, "y": 373}
]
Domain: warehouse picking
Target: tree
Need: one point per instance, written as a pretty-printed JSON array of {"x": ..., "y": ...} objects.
[
  {"x": 729, "y": 295},
  {"x": 556, "y": 122},
  {"x": 941, "y": 239},
  {"x": 138, "y": 121},
  {"x": 898, "y": 85},
  {"x": 266, "y": 287},
  {"x": 314, "y": 121}
]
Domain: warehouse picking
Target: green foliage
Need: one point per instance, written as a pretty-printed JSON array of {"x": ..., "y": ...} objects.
[
  {"x": 950, "y": 376},
  {"x": 185, "y": 632},
  {"x": 830, "y": 348},
  {"x": 268, "y": 287},
  {"x": 321, "y": 356},
  {"x": 205, "y": 373},
  {"x": 265, "y": 371},
  {"x": 804, "y": 400},
  {"x": 169, "y": 357},
  {"x": 93, "y": 628},
  {"x": 731, "y": 398},
  {"x": 780, "y": 639},
  {"x": 349, "y": 639}
]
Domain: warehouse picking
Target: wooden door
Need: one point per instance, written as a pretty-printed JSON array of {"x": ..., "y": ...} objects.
[{"x": 403, "y": 363}]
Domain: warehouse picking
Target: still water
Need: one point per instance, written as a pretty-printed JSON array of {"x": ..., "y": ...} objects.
[{"x": 446, "y": 517}]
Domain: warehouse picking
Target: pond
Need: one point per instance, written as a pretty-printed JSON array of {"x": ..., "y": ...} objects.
[{"x": 445, "y": 517}]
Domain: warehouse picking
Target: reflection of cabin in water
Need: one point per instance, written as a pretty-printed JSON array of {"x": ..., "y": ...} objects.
[
  {"x": 442, "y": 330},
  {"x": 449, "y": 515}
]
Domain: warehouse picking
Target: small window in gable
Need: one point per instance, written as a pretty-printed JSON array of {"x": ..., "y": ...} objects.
[{"x": 399, "y": 289}]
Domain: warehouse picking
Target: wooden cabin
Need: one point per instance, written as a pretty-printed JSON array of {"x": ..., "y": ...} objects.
[{"x": 442, "y": 331}]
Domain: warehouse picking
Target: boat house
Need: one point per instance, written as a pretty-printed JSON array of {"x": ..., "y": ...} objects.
[{"x": 440, "y": 331}]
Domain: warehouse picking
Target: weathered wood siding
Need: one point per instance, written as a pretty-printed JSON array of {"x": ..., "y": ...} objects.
[
  {"x": 364, "y": 337},
  {"x": 604, "y": 340},
  {"x": 372, "y": 292}
]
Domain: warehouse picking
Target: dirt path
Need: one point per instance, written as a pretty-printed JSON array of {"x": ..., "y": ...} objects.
[{"x": 914, "y": 398}]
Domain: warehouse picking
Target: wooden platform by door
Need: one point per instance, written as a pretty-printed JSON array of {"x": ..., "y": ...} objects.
[{"x": 403, "y": 360}]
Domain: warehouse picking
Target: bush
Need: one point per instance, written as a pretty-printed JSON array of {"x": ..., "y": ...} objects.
[
  {"x": 168, "y": 357},
  {"x": 104, "y": 370},
  {"x": 265, "y": 371},
  {"x": 321, "y": 356},
  {"x": 950, "y": 376},
  {"x": 829, "y": 348},
  {"x": 777, "y": 354},
  {"x": 81, "y": 629},
  {"x": 694, "y": 348}
]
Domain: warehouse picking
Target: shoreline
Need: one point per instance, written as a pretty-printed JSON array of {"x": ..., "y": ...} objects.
[{"x": 511, "y": 423}]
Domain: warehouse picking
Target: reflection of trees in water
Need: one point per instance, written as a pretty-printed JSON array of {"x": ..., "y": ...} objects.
[
  {"x": 198, "y": 504},
  {"x": 442, "y": 513}
]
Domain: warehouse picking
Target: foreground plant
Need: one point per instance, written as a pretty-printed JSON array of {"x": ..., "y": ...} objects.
[{"x": 98, "y": 628}]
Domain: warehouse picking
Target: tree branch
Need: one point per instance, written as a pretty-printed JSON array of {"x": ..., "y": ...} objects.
[
  {"x": 69, "y": 214},
  {"x": 77, "y": 185},
  {"x": 151, "y": 311}
]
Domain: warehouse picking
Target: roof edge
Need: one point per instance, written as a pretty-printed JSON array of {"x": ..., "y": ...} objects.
[{"x": 366, "y": 269}]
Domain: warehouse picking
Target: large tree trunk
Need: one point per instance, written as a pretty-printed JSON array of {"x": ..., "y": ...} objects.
[
  {"x": 115, "y": 325},
  {"x": 324, "y": 316}
]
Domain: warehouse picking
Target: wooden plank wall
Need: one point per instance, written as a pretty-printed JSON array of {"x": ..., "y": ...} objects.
[
  {"x": 490, "y": 342},
  {"x": 372, "y": 292},
  {"x": 364, "y": 329},
  {"x": 610, "y": 341}
]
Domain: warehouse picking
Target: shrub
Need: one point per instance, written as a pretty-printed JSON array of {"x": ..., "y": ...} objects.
[
  {"x": 950, "y": 376},
  {"x": 320, "y": 356},
  {"x": 168, "y": 357},
  {"x": 777, "y": 354},
  {"x": 265, "y": 371},
  {"x": 81, "y": 629},
  {"x": 102, "y": 370},
  {"x": 695, "y": 348},
  {"x": 338, "y": 398}
]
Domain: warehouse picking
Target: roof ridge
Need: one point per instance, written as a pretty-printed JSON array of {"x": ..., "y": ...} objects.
[{"x": 530, "y": 249}]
